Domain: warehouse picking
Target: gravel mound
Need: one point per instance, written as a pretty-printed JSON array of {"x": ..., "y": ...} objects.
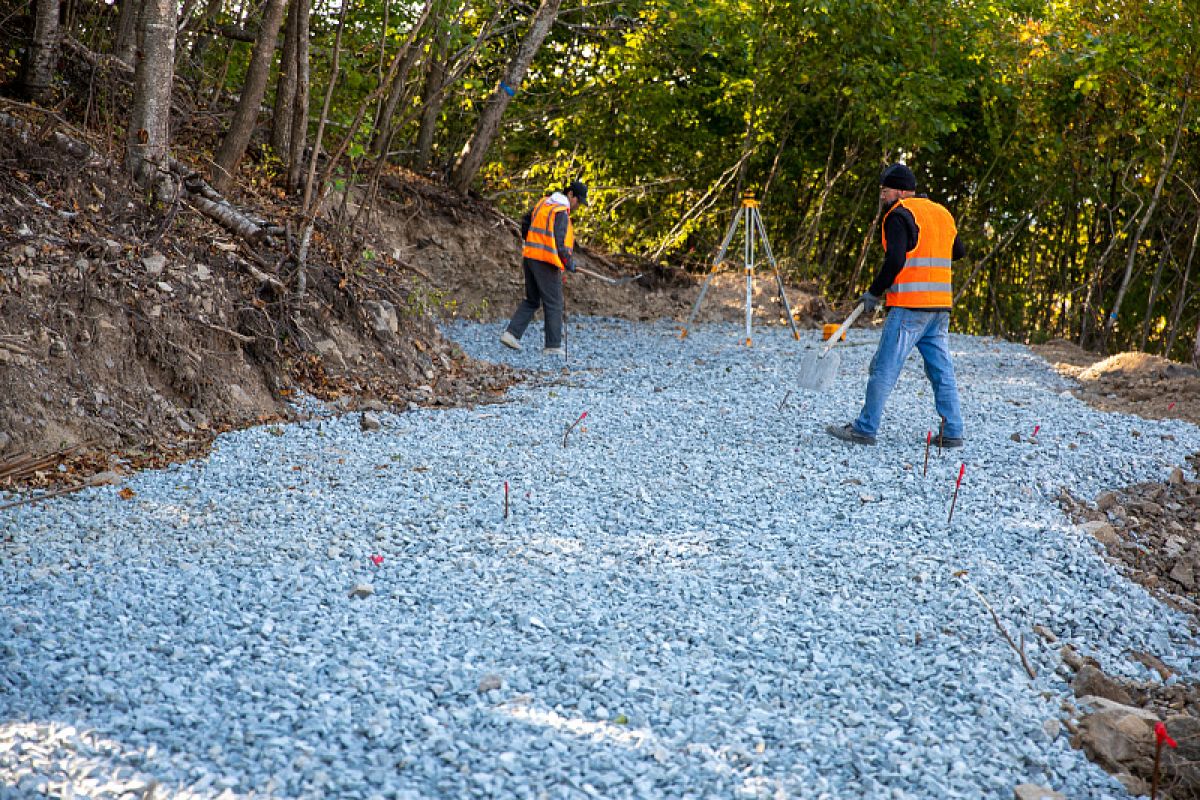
[{"x": 701, "y": 594}]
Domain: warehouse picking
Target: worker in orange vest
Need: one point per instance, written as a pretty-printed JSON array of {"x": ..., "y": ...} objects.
[
  {"x": 920, "y": 240},
  {"x": 548, "y": 252}
]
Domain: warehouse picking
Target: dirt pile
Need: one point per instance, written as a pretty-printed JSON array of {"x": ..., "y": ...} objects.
[
  {"x": 1132, "y": 383},
  {"x": 140, "y": 333}
]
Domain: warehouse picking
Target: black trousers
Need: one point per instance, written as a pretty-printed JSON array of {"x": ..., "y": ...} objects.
[{"x": 543, "y": 289}]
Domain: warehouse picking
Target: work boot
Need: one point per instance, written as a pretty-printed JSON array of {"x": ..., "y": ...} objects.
[
  {"x": 508, "y": 340},
  {"x": 947, "y": 441},
  {"x": 848, "y": 433},
  {"x": 554, "y": 351}
]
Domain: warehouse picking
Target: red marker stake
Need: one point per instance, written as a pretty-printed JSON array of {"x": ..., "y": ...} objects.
[
  {"x": 1036, "y": 428},
  {"x": 957, "y": 484},
  {"x": 1160, "y": 738},
  {"x": 506, "y": 499},
  {"x": 571, "y": 427},
  {"x": 1170, "y": 406},
  {"x": 377, "y": 560},
  {"x": 928, "y": 439}
]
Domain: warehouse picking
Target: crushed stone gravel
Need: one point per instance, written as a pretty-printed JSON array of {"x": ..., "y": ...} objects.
[{"x": 701, "y": 594}]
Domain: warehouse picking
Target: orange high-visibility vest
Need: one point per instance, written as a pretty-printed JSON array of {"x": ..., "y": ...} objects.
[
  {"x": 924, "y": 282},
  {"x": 539, "y": 242}
]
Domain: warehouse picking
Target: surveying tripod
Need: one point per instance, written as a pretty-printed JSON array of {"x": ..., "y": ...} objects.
[{"x": 754, "y": 231}]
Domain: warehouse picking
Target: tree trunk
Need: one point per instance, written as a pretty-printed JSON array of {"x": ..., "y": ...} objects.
[
  {"x": 298, "y": 137},
  {"x": 1182, "y": 299},
  {"x": 401, "y": 66},
  {"x": 37, "y": 79},
  {"x": 201, "y": 43},
  {"x": 148, "y": 138},
  {"x": 431, "y": 100},
  {"x": 285, "y": 87},
  {"x": 1196, "y": 347},
  {"x": 1168, "y": 162},
  {"x": 308, "y": 207},
  {"x": 473, "y": 153},
  {"x": 233, "y": 146},
  {"x": 125, "y": 48},
  {"x": 1155, "y": 282}
]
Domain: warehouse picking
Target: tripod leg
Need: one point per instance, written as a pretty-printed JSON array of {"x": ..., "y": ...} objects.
[
  {"x": 711, "y": 273},
  {"x": 696, "y": 306},
  {"x": 778, "y": 277},
  {"x": 748, "y": 259}
]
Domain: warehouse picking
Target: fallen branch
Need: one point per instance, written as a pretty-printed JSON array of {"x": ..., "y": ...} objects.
[
  {"x": 200, "y": 194},
  {"x": 93, "y": 59},
  {"x": 1000, "y": 626}
]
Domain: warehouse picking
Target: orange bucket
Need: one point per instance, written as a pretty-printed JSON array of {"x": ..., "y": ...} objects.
[{"x": 829, "y": 329}]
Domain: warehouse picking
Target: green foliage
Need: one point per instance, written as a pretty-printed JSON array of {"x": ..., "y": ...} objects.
[{"x": 1042, "y": 124}]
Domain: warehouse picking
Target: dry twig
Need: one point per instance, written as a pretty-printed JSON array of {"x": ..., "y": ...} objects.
[{"x": 1020, "y": 650}]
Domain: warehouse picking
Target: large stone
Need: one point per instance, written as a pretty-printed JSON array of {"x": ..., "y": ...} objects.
[
  {"x": 369, "y": 422},
  {"x": 1089, "y": 680},
  {"x": 154, "y": 263},
  {"x": 1184, "y": 574},
  {"x": 1118, "y": 736},
  {"x": 1102, "y": 532},
  {"x": 1106, "y": 501},
  {"x": 384, "y": 320},
  {"x": 330, "y": 352}
]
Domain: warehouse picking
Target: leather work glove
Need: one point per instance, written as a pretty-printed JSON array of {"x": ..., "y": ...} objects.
[{"x": 870, "y": 301}]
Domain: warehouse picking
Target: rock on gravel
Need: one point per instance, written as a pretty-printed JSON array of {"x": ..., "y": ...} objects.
[{"x": 692, "y": 598}]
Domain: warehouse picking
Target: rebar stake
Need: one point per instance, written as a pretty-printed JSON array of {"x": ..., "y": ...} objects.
[
  {"x": 571, "y": 427},
  {"x": 957, "y": 484},
  {"x": 928, "y": 437}
]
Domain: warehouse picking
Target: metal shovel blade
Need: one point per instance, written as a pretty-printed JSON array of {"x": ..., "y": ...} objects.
[
  {"x": 818, "y": 370},
  {"x": 820, "y": 367}
]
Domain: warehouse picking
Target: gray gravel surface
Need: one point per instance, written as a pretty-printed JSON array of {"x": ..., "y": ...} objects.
[{"x": 701, "y": 595}]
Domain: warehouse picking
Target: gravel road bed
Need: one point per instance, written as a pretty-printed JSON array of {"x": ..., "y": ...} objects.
[{"x": 701, "y": 595}]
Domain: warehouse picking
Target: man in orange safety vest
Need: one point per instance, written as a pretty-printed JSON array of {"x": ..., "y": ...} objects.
[
  {"x": 920, "y": 240},
  {"x": 548, "y": 252}
]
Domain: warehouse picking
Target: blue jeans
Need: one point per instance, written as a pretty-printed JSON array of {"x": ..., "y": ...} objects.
[{"x": 904, "y": 329}]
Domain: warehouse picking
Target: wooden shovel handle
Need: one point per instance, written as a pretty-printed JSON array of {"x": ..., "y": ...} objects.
[{"x": 858, "y": 309}]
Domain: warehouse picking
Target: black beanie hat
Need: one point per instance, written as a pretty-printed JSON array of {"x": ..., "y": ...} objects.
[
  {"x": 579, "y": 189},
  {"x": 898, "y": 176}
]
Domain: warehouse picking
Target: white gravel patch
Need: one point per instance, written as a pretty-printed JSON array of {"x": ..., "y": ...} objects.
[{"x": 701, "y": 595}]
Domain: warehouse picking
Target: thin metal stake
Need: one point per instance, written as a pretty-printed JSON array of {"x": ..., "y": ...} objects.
[
  {"x": 571, "y": 427},
  {"x": 925, "y": 471},
  {"x": 506, "y": 499},
  {"x": 957, "y": 484}
]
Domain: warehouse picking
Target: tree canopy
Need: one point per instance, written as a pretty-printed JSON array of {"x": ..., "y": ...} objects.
[{"x": 1061, "y": 134}]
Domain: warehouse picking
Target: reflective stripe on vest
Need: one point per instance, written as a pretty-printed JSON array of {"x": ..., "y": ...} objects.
[
  {"x": 924, "y": 281},
  {"x": 539, "y": 242}
]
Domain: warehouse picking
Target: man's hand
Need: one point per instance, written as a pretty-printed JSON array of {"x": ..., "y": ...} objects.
[{"x": 870, "y": 302}]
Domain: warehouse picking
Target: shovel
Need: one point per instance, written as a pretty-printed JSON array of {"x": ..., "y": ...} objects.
[
  {"x": 819, "y": 368},
  {"x": 608, "y": 280}
]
